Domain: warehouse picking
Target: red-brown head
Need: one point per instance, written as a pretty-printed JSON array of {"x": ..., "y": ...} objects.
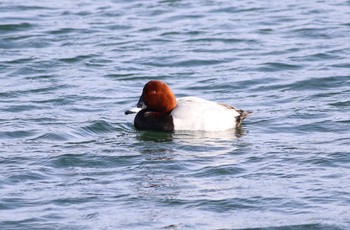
[{"x": 158, "y": 97}]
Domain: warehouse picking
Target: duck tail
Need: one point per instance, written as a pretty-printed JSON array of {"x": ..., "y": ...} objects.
[{"x": 242, "y": 115}]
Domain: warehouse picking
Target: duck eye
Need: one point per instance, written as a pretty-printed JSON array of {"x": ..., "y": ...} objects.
[{"x": 153, "y": 92}]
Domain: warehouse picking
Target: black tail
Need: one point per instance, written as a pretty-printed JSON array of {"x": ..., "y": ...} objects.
[{"x": 242, "y": 115}]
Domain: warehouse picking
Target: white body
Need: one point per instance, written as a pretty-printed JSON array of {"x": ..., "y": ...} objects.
[{"x": 193, "y": 113}]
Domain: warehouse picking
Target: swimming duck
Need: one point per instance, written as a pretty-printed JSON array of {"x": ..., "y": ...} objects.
[{"x": 158, "y": 109}]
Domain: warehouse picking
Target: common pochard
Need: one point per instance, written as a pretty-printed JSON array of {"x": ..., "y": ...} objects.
[{"x": 158, "y": 109}]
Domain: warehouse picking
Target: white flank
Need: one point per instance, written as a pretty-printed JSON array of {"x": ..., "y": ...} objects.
[{"x": 193, "y": 113}]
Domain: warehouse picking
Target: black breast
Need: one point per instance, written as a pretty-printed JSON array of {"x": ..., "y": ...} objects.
[{"x": 148, "y": 120}]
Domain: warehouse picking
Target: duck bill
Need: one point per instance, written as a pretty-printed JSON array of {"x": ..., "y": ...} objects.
[
  {"x": 140, "y": 105},
  {"x": 132, "y": 110}
]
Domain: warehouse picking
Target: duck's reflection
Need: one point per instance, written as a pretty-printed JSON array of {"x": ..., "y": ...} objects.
[
  {"x": 194, "y": 137},
  {"x": 167, "y": 156}
]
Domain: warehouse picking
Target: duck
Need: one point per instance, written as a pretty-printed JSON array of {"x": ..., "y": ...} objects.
[{"x": 159, "y": 110}]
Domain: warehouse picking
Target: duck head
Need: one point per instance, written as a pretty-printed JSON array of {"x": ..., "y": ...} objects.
[{"x": 157, "y": 97}]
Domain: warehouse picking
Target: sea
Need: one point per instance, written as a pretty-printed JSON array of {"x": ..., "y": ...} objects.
[{"x": 71, "y": 159}]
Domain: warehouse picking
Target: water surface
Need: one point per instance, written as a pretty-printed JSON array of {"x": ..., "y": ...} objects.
[{"x": 70, "y": 159}]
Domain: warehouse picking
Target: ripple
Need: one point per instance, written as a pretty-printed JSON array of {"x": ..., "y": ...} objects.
[
  {"x": 99, "y": 127},
  {"x": 15, "y": 27},
  {"x": 26, "y": 176},
  {"x": 341, "y": 104},
  {"x": 75, "y": 59},
  {"x": 218, "y": 171},
  {"x": 67, "y": 31},
  {"x": 276, "y": 66},
  {"x": 54, "y": 136},
  {"x": 21, "y": 108},
  {"x": 304, "y": 227},
  {"x": 17, "y": 134},
  {"x": 319, "y": 83}
]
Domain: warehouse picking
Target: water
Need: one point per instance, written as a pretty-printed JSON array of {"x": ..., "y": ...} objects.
[{"x": 70, "y": 159}]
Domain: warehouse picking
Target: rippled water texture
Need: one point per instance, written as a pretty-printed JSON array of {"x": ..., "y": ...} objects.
[{"x": 71, "y": 159}]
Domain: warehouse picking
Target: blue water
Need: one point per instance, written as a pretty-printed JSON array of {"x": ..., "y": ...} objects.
[{"x": 71, "y": 159}]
